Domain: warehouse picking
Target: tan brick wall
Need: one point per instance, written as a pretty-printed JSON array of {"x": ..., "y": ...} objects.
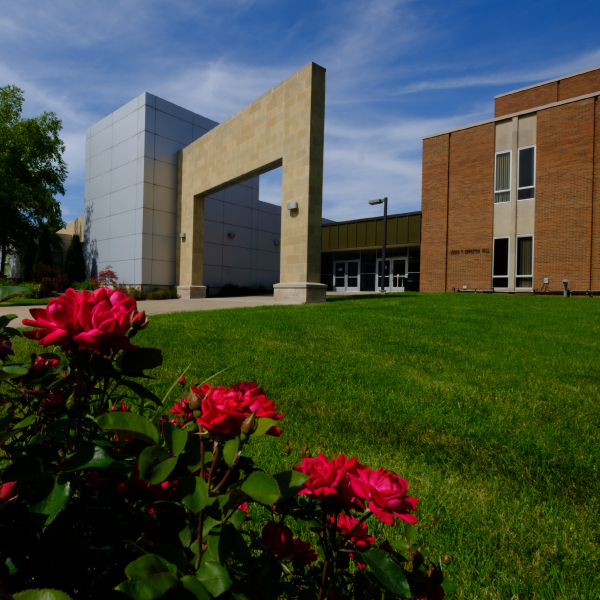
[
  {"x": 595, "y": 249},
  {"x": 471, "y": 208},
  {"x": 434, "y": 209},
  {"x": 586, "y": 83},
  {"x": 531, "y": 98},
  {"x": 284, "y": 127},
  {"x": 563, "y": 208}
]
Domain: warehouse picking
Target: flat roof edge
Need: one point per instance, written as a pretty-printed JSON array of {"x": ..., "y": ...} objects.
[
  {"x": 511, "y": 115},
  {"x": 528, "y": 87},
  {"x": 406, "y": 214}
]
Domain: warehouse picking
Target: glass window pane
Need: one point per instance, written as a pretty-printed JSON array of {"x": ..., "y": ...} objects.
[
  {"x": 367, "y": 262},
  {"x": 500, "y": 282},
  {"x": 352, "y": 268},
  {"x": 502, "y": 197},
  {"x": 327, "y": 263},
  {"x": 502, "y": 171},
  {"x": 525, "y": 256},
  {"x": 524, "y": 282},
  {"x": 526, "y": 162},
  {"x": 526, "y": 194},
  {"x": 501, "y": 257},
  {"x": 367, "y": 283}
]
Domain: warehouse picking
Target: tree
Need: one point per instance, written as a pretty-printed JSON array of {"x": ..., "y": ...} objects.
[
  {"x": 75, "y": 263},
  {"x": 32, "y": 172},
  {"x": 44, "y": 251}
]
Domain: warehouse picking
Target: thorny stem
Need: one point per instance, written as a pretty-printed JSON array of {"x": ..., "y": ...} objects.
[
  {"x": 199, "y": 542},
  {"x": 229, "y": 470},
  {"x": 323, "y": 579},
  {"x": 328, "y": 556},
  {"x": 213, "y": 463}
]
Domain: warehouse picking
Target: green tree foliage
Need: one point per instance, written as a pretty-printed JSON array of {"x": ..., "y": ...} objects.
[
  {"x": 32, "y": 172},
  {"x": 75, "y": 263}
]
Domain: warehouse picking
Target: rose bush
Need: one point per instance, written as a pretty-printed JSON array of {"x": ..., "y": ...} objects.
[{"x": 107, "y": 491}]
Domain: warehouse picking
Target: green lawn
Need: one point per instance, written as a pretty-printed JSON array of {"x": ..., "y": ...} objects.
[
  {"x": 488, "y": 405},
  {"x": 25, "y": 302}
]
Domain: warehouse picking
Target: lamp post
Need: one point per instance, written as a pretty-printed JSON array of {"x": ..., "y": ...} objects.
[{"x": 384, "y": 202}]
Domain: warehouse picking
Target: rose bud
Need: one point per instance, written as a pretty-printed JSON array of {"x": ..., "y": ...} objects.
[
  {"x": 248, "y": 427},
  {"x": 139, "y": 321},
  {"x": 194, "y": 401},
  {"x": 418, "y": 560},
  {"x": 182, "y": 380},
  {"x": 446, "y": 559},
  {"x": 197, "y": 414}
]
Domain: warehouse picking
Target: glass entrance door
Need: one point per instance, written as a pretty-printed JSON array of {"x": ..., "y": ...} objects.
[
  {"x": 386, "y": 275},
  {"x": 346, "y": 276},
  {"x": 399, "y": 274}
]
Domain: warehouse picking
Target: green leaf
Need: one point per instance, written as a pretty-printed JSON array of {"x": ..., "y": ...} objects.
[
  {"x": 87, "y": 457},
  {"x": 263, "y": 426},
  {"x": 25, "y": 470},
  {"x": 141, "y": 360},
  {"x": 230, "y": 450},
  {"x": 176, "y": 556},
  {"x": 26, "y": 422},
  {"x": 191, "y": 584},
  {"x": 11, "y": 291},
  {"x": 448, "y": 586},
  {"x": 12, "y": 371},
  {"x": 261, "y": 487},
  {"x": 6, "y": 319},
  {"x": 290, "y": 482},
  {"x": 149, "y": 578},
  {"x": 213, "y": 576},
  {"x": 49, "y": 498},
  {"x": 156, "y": 464},
  {"x": 41, "y": 594},
  {"x": 175, "y": 438},
  {"x": 387, "y": 571},
  {"x": 193, "y": 492},
  {"x": 140, "y": 390},
  {"x": 129, "y": 424},
  {"x": 5, "y": 422}
]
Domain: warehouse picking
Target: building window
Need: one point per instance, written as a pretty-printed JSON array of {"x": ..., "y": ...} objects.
[
  {"x": 524, "y": 276},
  {"x": 502, "y": 177},
  {"x": 500, "y": 264},
  {"x": 526, "y": 189}
]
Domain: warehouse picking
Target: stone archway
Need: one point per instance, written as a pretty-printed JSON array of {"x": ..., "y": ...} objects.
[{"x": 283, "y": 128}]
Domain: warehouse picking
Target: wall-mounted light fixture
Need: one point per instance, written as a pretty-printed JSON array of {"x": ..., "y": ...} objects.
[
  {"x": 231, "y": 235},
  {"x": 292, "y": 205},
  {"x": 276, "y": 242},
  {"x": 182, "y": 235}
]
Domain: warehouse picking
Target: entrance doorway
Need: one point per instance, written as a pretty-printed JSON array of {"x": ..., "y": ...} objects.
[
  {"x": 398, "y": 268},
  {"x": 346, "y": 277}
]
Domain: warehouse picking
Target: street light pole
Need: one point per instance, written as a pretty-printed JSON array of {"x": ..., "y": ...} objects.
[{"x": 384, "y": 202}]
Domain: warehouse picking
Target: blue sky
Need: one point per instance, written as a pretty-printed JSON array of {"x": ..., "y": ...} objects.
[{"x": 396, "y": 71}]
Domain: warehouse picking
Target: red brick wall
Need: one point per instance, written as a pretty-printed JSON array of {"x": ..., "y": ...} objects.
[
  {"x": 531, "y": 98},
  {"x": 595, "y": 250},
  {"x": 434, "y": 208},
  {"x": 586, "y": 83},
  {"x": 471, "y": 208},
  {"x": 563, "y": 206}
]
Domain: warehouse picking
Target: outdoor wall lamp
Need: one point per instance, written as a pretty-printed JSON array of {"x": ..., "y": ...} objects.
[
  {"x": 292, "y": 206},
  {"x": 231, "y": 235},
  {"x": 182, "y": 235},
  {"x": 384, "y": 202}
]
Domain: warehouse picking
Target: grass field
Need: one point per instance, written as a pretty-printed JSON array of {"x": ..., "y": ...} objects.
[{"x": 488, "y": 405}]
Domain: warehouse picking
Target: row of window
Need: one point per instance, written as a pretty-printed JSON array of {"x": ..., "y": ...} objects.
[
  {"x": 525, "y": 175},
  {"x": 524, "y": 262}
]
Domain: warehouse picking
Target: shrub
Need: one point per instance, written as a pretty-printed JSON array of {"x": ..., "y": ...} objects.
[
  {"x": 106, "y": 487},
  {"x": 161, "y": 294},
  {"x": 131, "y": 290},
  {"x": 107, "y": 277},
  {"x": 88, "y": 284},
  {"x": 75, "y": 261}
]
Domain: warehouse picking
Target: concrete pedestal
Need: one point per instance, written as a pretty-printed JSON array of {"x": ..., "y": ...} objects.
[
  {"x": 299, "y": 293},
  {"x": 189, "y": 292}
]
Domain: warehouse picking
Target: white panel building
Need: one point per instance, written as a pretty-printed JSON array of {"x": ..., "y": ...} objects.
[{"x": 131, "y": 203}]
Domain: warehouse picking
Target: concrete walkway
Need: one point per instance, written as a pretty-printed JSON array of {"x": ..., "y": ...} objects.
[{"x": 159, "y": 307}]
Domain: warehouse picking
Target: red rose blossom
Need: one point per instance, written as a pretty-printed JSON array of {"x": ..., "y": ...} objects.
[
  {"x": 360, "y": 536},
  {"x": 283, "y": 546},
  {"x": 330, "y": 480},
  {"x": 386, "y": 493}
]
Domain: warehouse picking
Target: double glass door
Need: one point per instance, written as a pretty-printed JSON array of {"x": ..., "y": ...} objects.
[
  {"x": 398, "y": 269},
  {"x": 346, "y": 276}
]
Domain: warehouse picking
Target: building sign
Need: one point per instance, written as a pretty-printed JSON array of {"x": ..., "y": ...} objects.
[{"x": 471, "y": 251}]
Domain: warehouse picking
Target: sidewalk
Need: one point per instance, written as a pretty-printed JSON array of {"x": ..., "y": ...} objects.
[{"x": 159, "y": 307}]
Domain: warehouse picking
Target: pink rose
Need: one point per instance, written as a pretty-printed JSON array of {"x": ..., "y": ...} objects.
[
  {"x": 360, "y": 536},
  {"x": 8, "y": 491},
  {"x": 386, "y": 493},
  {"x": 282, "y": 545}
]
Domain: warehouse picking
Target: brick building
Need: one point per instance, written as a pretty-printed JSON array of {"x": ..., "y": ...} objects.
[{"x": 513, "y": 203}]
